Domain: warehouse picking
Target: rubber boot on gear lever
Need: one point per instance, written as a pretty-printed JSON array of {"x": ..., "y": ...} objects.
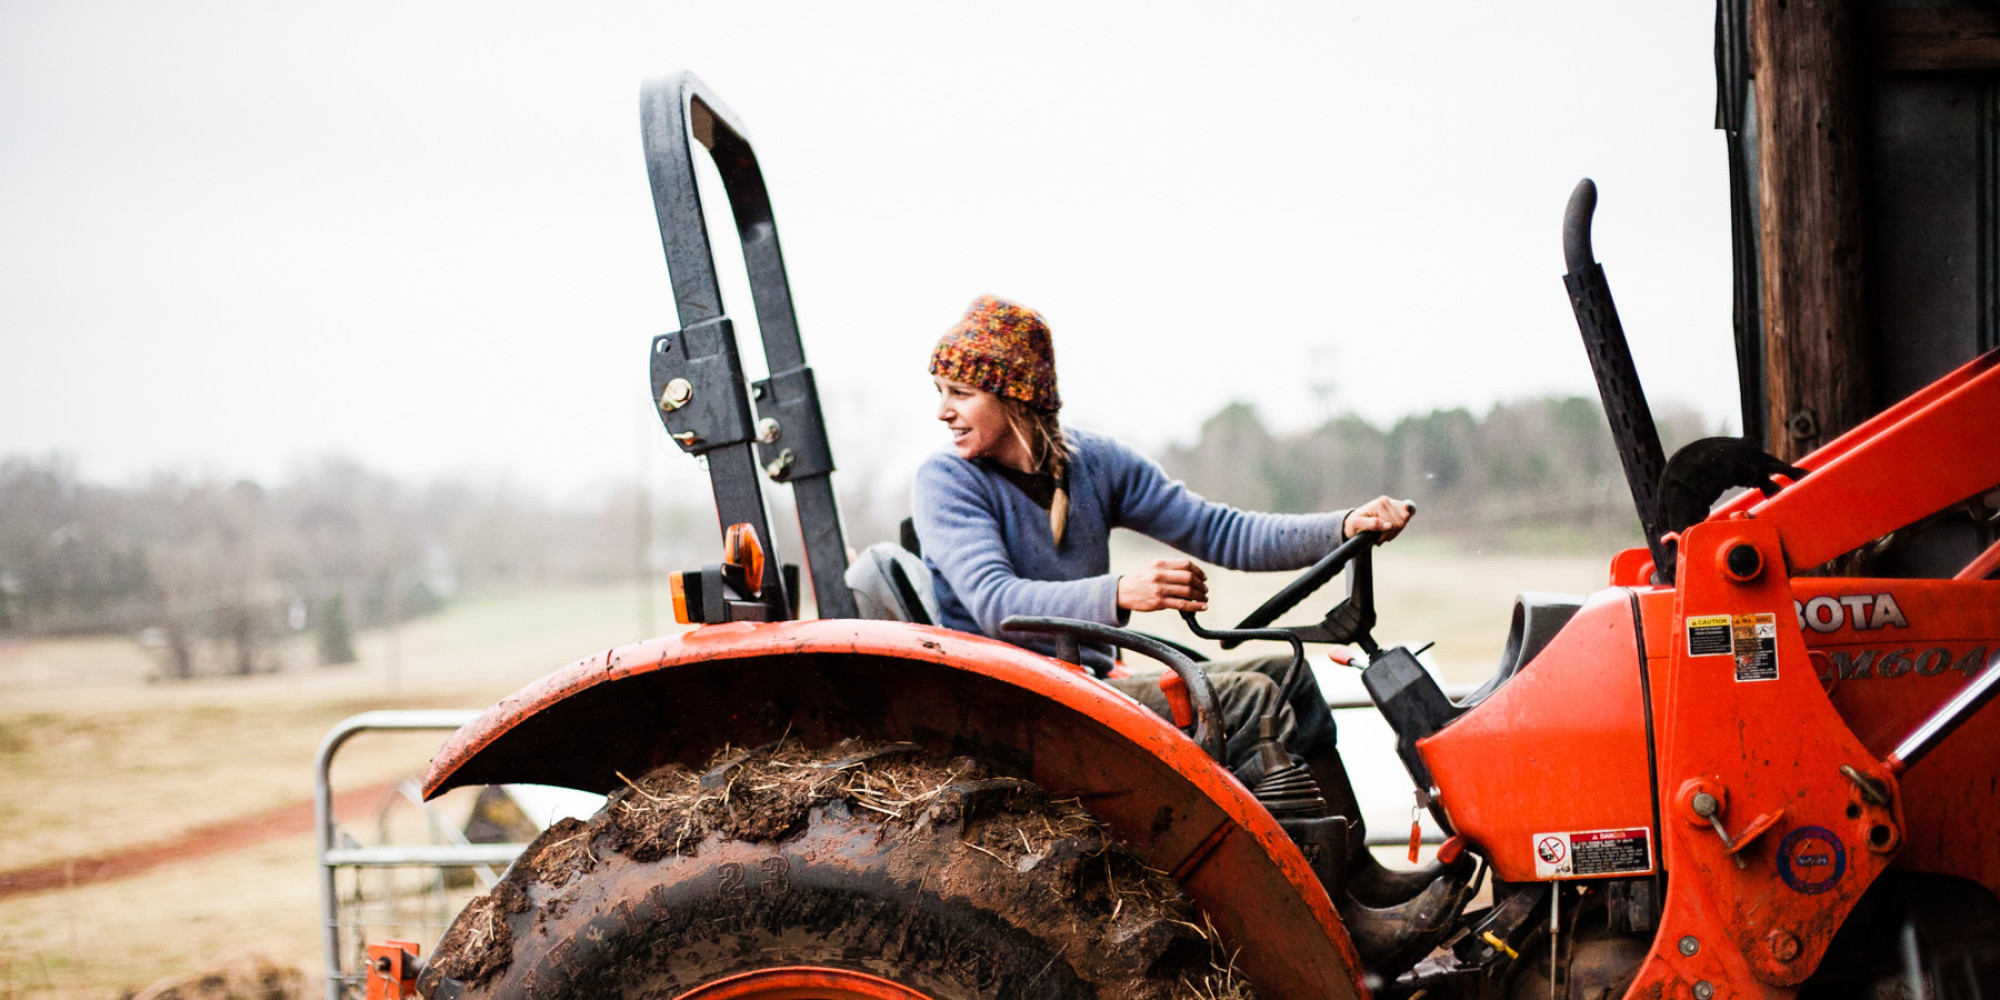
[
  {"x": 1394, "y": 918},
  {"x": 1392, "y": 939}
]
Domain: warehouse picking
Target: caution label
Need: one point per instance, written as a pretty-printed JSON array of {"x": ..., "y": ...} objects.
[
  {"x": 1755, "y": 638},
  {"x": 1708, "y": 635},
  {"x": 1593, "y": 853}
]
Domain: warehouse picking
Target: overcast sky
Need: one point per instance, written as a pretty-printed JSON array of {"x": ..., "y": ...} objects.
[{"x": 235, "y": 236}]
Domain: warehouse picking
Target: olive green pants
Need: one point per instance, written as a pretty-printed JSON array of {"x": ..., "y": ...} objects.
[{"x": 1248, "y": 688}]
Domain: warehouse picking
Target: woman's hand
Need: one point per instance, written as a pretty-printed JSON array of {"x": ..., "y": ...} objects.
[
  {"x": 1164, "y": 584},
  {"x": 1384, "y": 514}
]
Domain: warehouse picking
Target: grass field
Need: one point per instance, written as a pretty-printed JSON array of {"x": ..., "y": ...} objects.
[{"x": 95, "y": 759}]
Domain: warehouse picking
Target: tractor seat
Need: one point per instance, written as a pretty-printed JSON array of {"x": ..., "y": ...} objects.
[
  {"x": 891, "y": 582},
  {"x": 1538, "y": 616}
]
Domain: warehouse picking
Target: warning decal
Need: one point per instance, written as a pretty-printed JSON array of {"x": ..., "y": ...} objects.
[
  {"x": 1593, "y": 853},
  {"x": 1708, "y": 635},
  {"x": 1755, "y": 638}
]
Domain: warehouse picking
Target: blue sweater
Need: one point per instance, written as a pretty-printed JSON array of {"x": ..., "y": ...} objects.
[{"x": 991, "y": 553}]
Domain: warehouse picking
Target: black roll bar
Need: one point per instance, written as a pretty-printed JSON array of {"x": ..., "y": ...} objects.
[{"x": 697, "y": 372}]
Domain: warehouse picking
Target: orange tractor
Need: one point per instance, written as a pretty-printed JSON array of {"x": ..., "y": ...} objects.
[{"x": 1717, "y": 778}]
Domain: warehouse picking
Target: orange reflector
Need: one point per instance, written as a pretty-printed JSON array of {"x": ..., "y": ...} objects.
[
  {"x": 741, "y": 547},
  {"x": 678, "y": 584}
]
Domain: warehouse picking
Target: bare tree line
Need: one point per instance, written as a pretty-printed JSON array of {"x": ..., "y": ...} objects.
[
  {"x": 1533, "y": 474},
  {"x": 212, "y": 570}
]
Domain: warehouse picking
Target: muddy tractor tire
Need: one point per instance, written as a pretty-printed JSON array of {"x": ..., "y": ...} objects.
[{"x": 854, "y": 871}]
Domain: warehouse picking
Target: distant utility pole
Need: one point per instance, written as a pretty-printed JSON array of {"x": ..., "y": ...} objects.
[{"x": 1323, "y": 370}]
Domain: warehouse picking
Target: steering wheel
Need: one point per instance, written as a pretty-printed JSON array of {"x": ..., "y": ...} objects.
[
  {"x": 1350, "y": 621},
  {"x": 1207, "y": 731}
]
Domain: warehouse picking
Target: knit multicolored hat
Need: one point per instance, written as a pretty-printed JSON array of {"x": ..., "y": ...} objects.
[{"x": 1002, "y": 347}]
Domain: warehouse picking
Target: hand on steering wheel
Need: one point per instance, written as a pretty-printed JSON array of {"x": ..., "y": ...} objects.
[{"x": 1385, "y": 515}]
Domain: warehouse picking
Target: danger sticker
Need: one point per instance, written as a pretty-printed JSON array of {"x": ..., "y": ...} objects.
[
  {"x": 1592, "y": 853},
  {"x": 1755, "y": 642},
  {"x": 1708, "y": 635}
]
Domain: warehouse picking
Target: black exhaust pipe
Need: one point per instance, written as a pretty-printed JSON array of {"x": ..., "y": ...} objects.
[{"x": 1617, "y": 380}]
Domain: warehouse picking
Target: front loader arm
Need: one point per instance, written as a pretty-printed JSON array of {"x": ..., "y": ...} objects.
[
  {"x": 1934, "y": 449},
  {"x": 1774, "y": 816}
]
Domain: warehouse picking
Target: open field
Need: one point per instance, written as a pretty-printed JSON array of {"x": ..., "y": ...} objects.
[{"x": 95, "y": 760}]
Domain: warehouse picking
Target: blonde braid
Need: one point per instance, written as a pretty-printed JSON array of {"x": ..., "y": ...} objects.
[
  {"x": 1041, "y": 434},
  {"x": 1056, "y": 458}
]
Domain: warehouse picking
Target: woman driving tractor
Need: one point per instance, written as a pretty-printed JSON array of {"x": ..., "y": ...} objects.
[{"x": 1015, "y": 519}]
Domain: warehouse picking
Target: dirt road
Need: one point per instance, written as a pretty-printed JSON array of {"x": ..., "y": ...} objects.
[{"x": 229, "y": 835}]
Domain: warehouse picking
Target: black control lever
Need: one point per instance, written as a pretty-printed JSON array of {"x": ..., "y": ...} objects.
[{"x": 1231, "y": 637}]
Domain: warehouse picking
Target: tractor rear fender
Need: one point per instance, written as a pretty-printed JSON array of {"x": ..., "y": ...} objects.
[{"x": 679, "y": 698}]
